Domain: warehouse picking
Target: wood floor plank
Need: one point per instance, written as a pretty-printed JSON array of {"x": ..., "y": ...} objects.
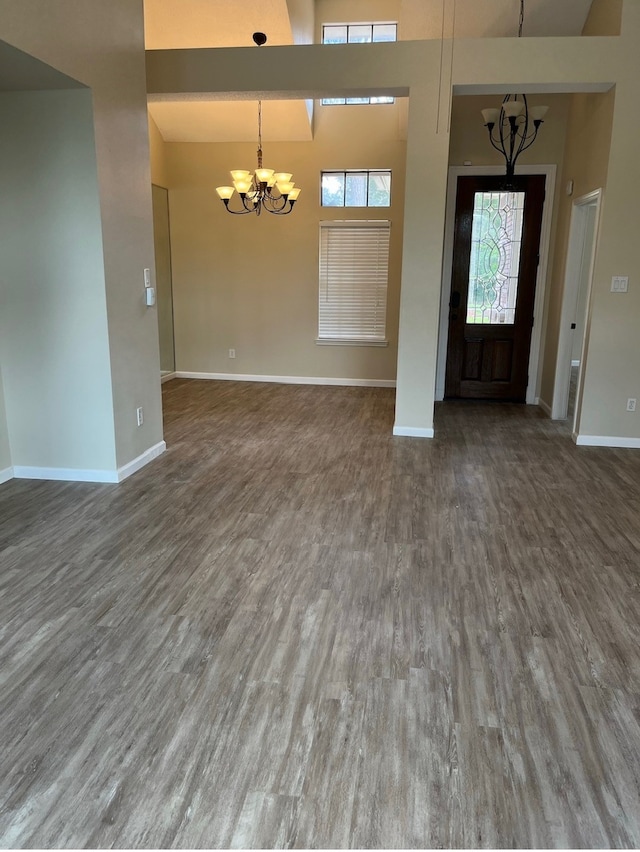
[{"x": 294, "y": 630}]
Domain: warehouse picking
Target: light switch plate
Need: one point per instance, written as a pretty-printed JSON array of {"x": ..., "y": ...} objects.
[{"x": 620, "y": 284}]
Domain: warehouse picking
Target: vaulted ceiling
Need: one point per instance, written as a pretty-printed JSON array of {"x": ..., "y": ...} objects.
[{"x": 173, "y": 24}]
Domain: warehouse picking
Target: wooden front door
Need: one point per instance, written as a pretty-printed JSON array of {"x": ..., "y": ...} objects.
[{"x": 495, "y": 266}]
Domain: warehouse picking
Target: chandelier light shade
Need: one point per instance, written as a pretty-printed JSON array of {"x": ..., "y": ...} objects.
[
  {"x": 514, "y": 127},
  {"x": 262, "y": 189}
]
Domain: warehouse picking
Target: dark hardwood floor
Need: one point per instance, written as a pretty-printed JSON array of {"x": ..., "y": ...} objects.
[{"x": 293, "y": 630}]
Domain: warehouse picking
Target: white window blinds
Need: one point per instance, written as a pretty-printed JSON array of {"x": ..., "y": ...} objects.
[{"x": 354, "y": 270}]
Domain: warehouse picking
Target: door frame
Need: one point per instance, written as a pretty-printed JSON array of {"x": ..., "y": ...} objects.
[
  {"x": 543, "y": 267},
  {"x": 575, "y": 256}
]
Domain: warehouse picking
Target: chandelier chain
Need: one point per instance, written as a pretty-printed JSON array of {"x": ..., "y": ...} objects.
[
  {"x": 259, "y": 134},
  {"x": 521, "y": 25}
]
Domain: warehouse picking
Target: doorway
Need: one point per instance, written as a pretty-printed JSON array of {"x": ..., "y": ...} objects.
[
  {"x": 496, "y": 252},
  {"x": 572, "y": 342},
  {"x": 535, "y": 365},
  {"x": 164, "y": 285}
]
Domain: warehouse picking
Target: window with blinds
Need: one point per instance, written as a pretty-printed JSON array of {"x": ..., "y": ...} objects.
[{"x": 354, "y": 271}]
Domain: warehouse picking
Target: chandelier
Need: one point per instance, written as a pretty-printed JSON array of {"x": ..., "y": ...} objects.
[
  {"x": 265, "y": 189},
  {"x": 516, "y": 125}
]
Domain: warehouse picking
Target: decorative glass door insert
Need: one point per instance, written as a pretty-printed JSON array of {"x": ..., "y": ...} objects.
[
  {"x": 496, "y": 251},
  {"x": 494, "y": 267}
]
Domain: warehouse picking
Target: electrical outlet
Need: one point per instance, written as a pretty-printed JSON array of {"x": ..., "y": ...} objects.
[
  {"x": 232, "y": 353},
  {"x": 631, "y": 404},
  {"x": 139, "y": 416}
]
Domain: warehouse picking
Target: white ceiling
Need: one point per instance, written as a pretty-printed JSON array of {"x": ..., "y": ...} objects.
[{"x": 171, "y": 24}]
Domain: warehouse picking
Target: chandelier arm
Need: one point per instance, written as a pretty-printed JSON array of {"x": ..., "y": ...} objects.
[
  {"x": 531, "y": 139},
  {"x": 235, "y": 212},
  {"x": 277, "y": 203},
  {"x": 514, "y": 150},
  {"x": 523, "y": 131},
  {"x": 510, "y": 155},
  {"x": 521, "y": 23},
  {"x": 495, "y": 144}
]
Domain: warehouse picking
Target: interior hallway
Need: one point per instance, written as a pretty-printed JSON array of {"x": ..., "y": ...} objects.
[{"x": 295, "y": 630}]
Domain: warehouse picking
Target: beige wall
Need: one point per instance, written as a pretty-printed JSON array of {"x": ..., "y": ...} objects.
[
  {"x": 346, "y": 11},
  {"x": 586, "y": 163},
  {"x": 105, "y": 50},
  {"x": 302, "y": 16},
  {"x": 158, "y": 156},
  {"x": 5, "y": 449},
  {"x": 164, "y": 295},
  {"x": 54, "y": 346},
  {"x": 605, "y": 18},
  {"x": 252, "y": 284}
]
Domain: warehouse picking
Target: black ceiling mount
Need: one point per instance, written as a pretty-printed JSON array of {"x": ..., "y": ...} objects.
[{"x": 259, "y": 39}]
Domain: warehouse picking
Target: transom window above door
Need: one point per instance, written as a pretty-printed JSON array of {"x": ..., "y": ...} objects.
[{"x": 359, "y": 34}]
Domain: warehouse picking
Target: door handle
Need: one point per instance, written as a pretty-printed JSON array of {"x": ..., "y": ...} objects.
[{"x": 454, "y": 304}]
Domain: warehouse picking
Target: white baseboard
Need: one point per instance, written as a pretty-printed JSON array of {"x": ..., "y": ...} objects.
[
  {"x": 545, "y": 407},
  {"x": 288, "y": 380},
  {"x": 166, "y": 377},
  {"x": 82, "y": 475},
  {"x": 412, "y": 432},
  {"x": 66, "y": 474},
  {"x": 142, "y": 460},
  {"x": 6, "y": 474},
  {"x": 607, "y": 441}
]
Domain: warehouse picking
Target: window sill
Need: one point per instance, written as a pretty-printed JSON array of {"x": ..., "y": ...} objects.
[{"x": 325, "y": 341}]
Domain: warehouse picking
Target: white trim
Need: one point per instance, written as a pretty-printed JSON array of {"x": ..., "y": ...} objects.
[
  {"x": 335, "y": 341},
  {"x": 607, "y": 441},
  {"x": 142, "y": 460},
  {"x": 66, "y": 474},
  {"x": 541, "y": 283},
  {"x": 81, "y": 475},
  {"x": 523, "y": 88},
  {"x": 412, "y": 432},
  {"x": 166, "y": 377},
  {"x": 6, "y": 475},
  {"x": 545, "y": 407},
  {"x": 574, "y": 260},
  {"x": 288, "y": 380}
]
